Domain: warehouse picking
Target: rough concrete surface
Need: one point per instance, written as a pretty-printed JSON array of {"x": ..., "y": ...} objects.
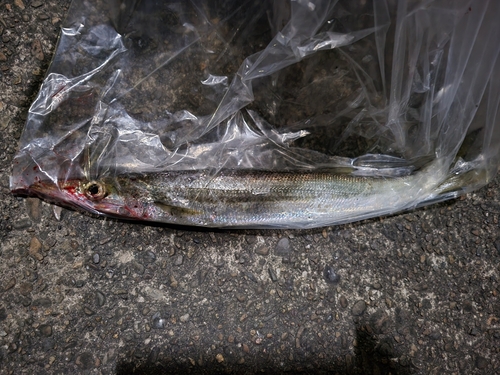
[{"x": 416, "y": 293}]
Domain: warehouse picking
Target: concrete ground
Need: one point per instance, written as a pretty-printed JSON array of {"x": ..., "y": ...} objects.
[{"x": 415, "y": 293}]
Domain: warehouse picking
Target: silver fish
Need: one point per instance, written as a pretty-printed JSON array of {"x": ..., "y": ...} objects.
[{"x": 246, "y": 199}]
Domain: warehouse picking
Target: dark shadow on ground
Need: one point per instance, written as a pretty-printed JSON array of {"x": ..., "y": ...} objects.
[{"x": 372, "y": 355}]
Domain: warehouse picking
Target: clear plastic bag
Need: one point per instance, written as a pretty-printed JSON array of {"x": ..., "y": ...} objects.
[{"x": 223, "y": 113}]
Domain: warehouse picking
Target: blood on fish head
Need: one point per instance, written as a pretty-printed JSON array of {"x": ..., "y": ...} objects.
[{"x": 97, "y": 196}]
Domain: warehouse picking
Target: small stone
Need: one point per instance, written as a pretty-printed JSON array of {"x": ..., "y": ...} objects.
[
  {"x": 158, "y": 321},
  {"x": 251, "y": 239},
  {"x": 251, "y": 277},
  {"x": 220, "y": 358},
  {"x": 22, "y": 224},
  {"x": 36, "y": 50},
  {"x": 19, "y": 4},
  {"x": 184, "y": 318},
  {"x": 10, "y": 284},
  {"x": 79, "y": 283},
  {"x": 88, "y": 311},
  {"x": 380, "y": 322},
  {"x": 100, "y": 298},
  {"x": 467, "y": 306},
  {"x": 149, "y": 257},
  {"x": 272, "y": 275},
  {"x": 85, "y": 361},
  {"x": 121, "y": 292},
  {"x": 330, "y": 275},
  {"x": 481, "y": 362},
  {"x": 283, "y": 247},
  {"x": 343, "y": 302},
  {"x": 37, "y": 4},
  {"x": 56, "y": 209},
  {"x": 435, "y": 335},
  {"x": 33, "y": 206},
  {"x": 44, "y": 302},
  {"x": 35, "y": 247},
  {"x": 96, "y": 258},
  {"x": 497, "y": 244},
  {"x": 3, "y": 314},
  {"x": 178, "y": 260},
  {"x": 120, "y": 312},
  {"x": 173, "y": 282},
  {"x": 246, "y": 348},
  {"x": 298, "y": 336},
  {"x": 358, "y": 308},
  {"x": 262, "y": 250},
  {"x": 474, "y": 331},
  {"x": 48, "y": 344},
  {"x": 38, "y": 256},
  {"x": 45, "y": 330},
  {"x": 153, "y": 355},
  {"x": 50, "y": 242},
  {"x": 25, "y": 288},
  {"x": 137, "y": 267}
]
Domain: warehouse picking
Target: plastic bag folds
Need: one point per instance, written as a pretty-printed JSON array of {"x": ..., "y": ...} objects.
[{"x": 265, "y": 114}]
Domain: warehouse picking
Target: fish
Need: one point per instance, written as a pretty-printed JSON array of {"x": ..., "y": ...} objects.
[{"x": 244, "y": 198}]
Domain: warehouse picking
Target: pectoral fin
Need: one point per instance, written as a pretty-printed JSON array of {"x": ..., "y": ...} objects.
[{"x": 176, "y": 210}]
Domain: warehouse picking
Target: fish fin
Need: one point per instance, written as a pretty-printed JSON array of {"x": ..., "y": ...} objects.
[
  {"x": 176, "y": 210},
  {"x": 380, "y": 165},
  {"x": 465, "y": 182},
  {"x": 457, "y": 185},
  {"x": 347, "y": 170},
  {"x": 380, "y": 161}
]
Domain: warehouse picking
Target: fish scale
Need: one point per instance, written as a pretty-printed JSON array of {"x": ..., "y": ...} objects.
[
  {"x": 261, "y": 199},
  {"x": 246, "y": 198}
]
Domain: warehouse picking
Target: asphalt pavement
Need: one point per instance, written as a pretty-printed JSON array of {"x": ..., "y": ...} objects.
[{"x": 414, "y": 293}]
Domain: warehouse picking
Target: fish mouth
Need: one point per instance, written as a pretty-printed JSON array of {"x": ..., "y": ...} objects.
[
  {"x": 46, "y": 190},
  {"x": 67, "y": 194}
]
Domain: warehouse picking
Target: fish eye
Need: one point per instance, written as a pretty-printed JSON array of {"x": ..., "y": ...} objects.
[{"x": 94, "y": 190}]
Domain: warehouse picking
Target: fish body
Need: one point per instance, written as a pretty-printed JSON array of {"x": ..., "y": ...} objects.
[{"x": 243, "y": 198}]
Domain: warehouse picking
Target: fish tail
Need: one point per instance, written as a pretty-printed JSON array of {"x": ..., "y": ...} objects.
[{"x": 464, "y": 182}]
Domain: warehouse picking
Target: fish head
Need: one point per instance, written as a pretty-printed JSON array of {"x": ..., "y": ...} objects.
[{"x": 99, "y": 196}]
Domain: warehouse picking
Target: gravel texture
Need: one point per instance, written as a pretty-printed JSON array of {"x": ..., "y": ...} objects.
[{"x": 416, "y": 293}]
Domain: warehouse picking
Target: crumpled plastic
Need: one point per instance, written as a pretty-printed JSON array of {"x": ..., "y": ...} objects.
[{"x": 379, "y": 87}]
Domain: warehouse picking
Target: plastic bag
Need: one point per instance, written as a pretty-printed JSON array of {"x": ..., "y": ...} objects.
[{"x": 403, "y": 95}]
